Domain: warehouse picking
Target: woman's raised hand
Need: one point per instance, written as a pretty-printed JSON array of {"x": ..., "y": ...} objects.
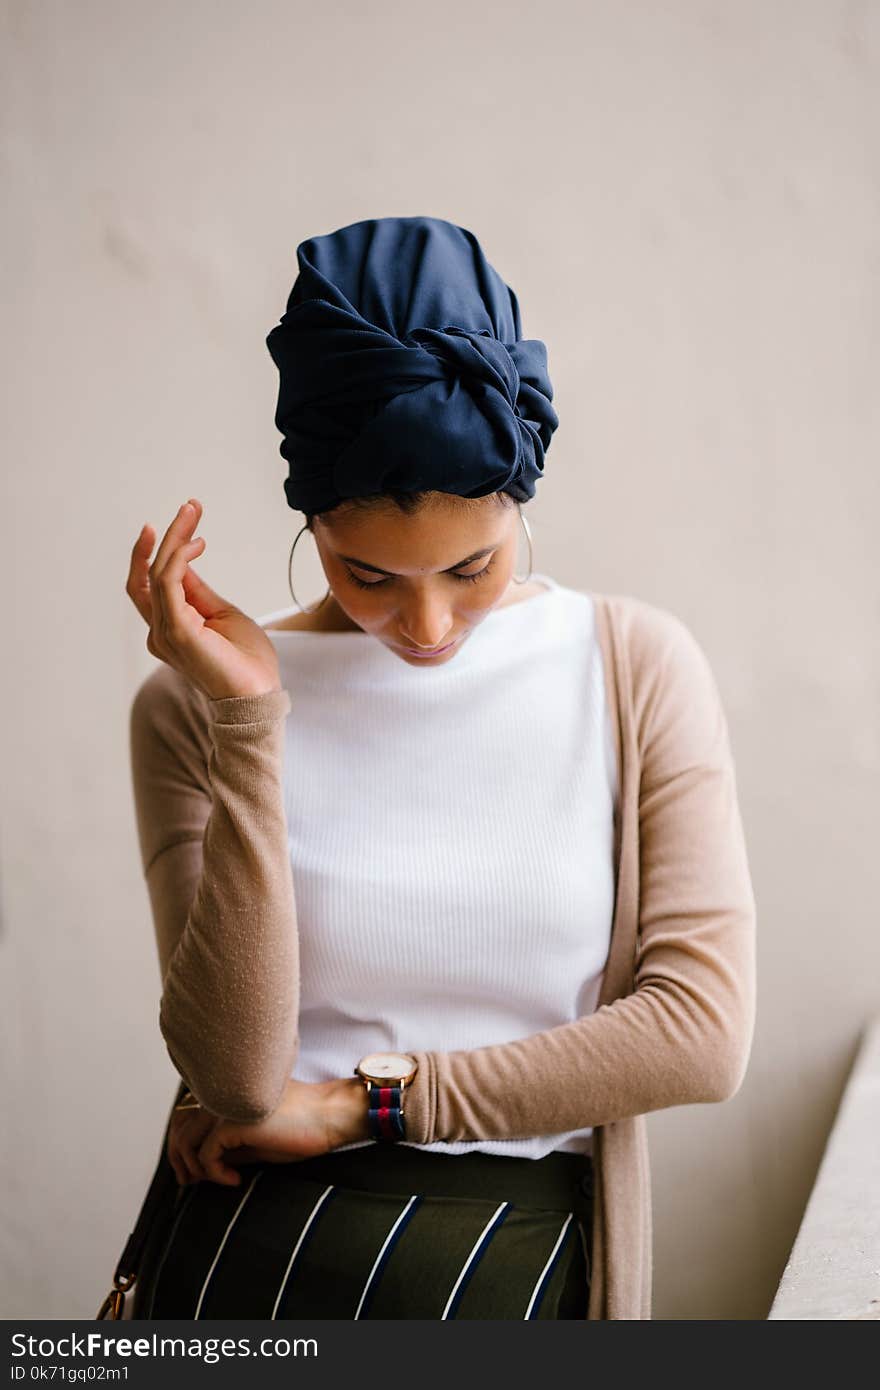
[{"x": 217, "y": 646}]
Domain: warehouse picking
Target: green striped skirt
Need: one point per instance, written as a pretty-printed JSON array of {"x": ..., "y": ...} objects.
[{"x": 377, "y": 1231}]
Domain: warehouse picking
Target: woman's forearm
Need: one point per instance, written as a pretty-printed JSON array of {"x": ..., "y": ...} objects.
[
  {"x": 230, "y": 997},
  {"x": 222, "y": 895}
]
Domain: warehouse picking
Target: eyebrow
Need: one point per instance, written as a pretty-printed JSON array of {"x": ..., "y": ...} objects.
[{"x": 362, "y": 564}]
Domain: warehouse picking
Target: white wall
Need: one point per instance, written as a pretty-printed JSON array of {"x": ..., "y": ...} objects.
[{"x": 684, "y": 196}]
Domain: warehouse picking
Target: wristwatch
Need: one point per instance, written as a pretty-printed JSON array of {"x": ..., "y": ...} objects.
[{"x": 386, "y": 1075}]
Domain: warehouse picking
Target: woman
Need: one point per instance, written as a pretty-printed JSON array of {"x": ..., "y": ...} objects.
[{"x": 440, "y": 915}]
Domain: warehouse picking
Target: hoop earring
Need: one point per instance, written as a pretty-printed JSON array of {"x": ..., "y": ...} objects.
[
  {"x": 527, "y": 529},
  {"x": 322, "y": 601}
]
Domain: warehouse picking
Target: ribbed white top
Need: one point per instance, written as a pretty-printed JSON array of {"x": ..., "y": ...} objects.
[{"x": 451, "y": 835}]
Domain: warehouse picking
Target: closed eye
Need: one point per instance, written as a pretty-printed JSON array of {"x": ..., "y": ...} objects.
[{"x": 380, "y": 583}]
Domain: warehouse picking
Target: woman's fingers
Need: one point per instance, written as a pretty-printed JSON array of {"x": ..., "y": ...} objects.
[
  {"x": 194, "y": 1170},
  {"x": 181, "y": 529},
  {"x": 179, "y": 619},
  {"x": 142, "y": 575},
  {"x": 184, "y": 592},
  {"x": 184, "y": 602},
  {"x": 197, "y": 1150},
  {"x": 175, "y": 1158},
  {"x": 202, "y": 597},
  {"x": 180, "y": 1171},
  {"x": 180, "y": 1151},
  {"x": 179, "y": 534},
  {"x": 184, "y": 1142},
  {"x": 210, "y": 1156},
  {"x": 137, "y": 585}
]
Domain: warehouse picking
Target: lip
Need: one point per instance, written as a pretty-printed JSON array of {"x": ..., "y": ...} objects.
[{"x": 437, "y": 651}]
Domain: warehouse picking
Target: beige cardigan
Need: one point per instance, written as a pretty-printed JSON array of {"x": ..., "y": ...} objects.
[{"x": 675, "y": 1018}]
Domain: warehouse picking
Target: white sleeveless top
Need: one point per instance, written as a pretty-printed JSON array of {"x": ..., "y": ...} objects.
[{"x": 451, "y": 838}]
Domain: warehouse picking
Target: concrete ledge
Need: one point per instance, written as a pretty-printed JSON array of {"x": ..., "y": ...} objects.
[{"x": 833, "y": 1270}]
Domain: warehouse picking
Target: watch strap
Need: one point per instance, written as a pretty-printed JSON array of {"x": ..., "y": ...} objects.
[{"x": 385, "y": 1114}]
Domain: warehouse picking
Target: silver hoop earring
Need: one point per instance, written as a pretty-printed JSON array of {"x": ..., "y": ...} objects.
[
  {"x": 527, "y": 529},
  {"x": 322, "y": 601}
]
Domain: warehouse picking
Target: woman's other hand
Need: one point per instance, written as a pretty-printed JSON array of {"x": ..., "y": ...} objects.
[
  {"x": 217, "y": 646},
  {"x": 186, "y": 1133},
  {"x": 311, "y": 1119}
]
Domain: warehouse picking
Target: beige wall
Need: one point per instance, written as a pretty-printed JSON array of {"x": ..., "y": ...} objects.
[{"x": 685, "y": 197}]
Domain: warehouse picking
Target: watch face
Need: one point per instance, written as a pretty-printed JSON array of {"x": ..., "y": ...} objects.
[{"x": 389, "y": 1066}]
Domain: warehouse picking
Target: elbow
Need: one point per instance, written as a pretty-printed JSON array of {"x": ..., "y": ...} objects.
[
  {"x": 709, "y": 1046},
  {"x": 241, "y": 1105},
  {"x": 725, "y": 1070},
  {"x": 242, "y": 1094}
]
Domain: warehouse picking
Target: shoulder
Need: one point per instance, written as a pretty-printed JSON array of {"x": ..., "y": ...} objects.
[
  {"x": 663, "y": 670},
  {"x": 642, "y": 626},
  {"x": 292, "y": 622},
  {"x": 649, "y": 636}
]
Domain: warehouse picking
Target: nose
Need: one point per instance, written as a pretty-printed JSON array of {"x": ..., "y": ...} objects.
[{"x": 426, "y": 623}]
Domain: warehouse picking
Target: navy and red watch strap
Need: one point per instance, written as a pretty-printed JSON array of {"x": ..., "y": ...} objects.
[{"x": 384, "y": 1116}]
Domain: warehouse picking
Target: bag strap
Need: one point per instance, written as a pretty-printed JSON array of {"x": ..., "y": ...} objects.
[{"x": 163, "y": 1184}]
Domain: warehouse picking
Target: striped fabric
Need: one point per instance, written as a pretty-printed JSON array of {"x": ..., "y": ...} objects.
[{"x": 286, "y": 1245}]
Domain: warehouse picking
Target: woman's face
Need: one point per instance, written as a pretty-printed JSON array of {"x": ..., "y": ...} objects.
[{"x": 420, "y": 582}]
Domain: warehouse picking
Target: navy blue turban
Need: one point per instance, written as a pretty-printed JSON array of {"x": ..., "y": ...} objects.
[{"x": 402, "y": 369}]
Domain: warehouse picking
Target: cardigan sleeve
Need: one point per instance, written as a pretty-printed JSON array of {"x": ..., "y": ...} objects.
[
  {"x": 208, "y": 796},
  {"x": 683, "y": 1035}
]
